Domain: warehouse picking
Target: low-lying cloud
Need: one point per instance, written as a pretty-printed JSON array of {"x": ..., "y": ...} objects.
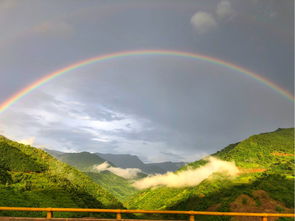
[
  {"x": 28, "y": 141},
  {"x": 190, "y": 177},
  {"x": 128, "y": 173}
]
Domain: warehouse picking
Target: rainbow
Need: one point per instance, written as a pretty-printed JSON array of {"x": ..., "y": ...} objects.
[{"x": 17, "y": 96}]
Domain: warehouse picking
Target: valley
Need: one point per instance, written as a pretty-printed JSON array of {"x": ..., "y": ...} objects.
[{"x": 264, "y": 181}]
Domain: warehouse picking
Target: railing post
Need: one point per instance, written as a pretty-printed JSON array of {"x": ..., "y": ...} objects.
[
  {"x": 118, "y": 216},
  {"x": 49, "y": 215},
  {"x": 264, "y": 218},
  {"x": 191, "y": 218}
]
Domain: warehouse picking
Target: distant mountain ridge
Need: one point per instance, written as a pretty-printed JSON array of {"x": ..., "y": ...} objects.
[
  {"x": 167, "y": 166},
  {"x": 118, "y": 160},
  {"x": 123, "y": 160},
  {"x": 132, "y": 161},
  {"x": 83, "y": 161}
]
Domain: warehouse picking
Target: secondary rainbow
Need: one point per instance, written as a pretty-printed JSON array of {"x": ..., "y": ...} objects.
[{"x": 123, "y": 54}]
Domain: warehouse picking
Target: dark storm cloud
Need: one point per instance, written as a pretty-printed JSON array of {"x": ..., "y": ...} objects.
[{"x": 174, "y": 108}]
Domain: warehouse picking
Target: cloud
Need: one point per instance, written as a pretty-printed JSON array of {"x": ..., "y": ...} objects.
[
  {"x": 203, "y": 22},
  {"x": 190, "y": 177},
  {"x": 128, "y": 173},
  {"x": 224, "y": 9},
  {"x": 59, "y": 28},
  {"x": 28, "y": 141},
  {"x": 114, "y": 125},
  {"x": 171, "y": 105}
]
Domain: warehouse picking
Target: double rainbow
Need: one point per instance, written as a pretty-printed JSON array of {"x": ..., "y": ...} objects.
[{"x": 17, "y": 96}]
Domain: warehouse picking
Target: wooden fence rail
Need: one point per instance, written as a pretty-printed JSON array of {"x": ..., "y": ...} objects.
[{"x": 119, "y": 212}]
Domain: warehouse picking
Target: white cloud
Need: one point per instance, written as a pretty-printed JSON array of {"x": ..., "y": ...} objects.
[
  {"x": 28, "y": 141},
  {"x": 127, "y": 125},
  {"x": 44, "y": 117},
  {"x": 203, "y": 22},
  {"x": 128, "y": 173},
  {"x": 190, "y": 177},
  {"x": 224, "y": 9},
  {"x": 103, "y": 139}
]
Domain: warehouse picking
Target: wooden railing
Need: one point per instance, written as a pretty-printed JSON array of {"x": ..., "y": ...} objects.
[{"x": 119, "y": 212}]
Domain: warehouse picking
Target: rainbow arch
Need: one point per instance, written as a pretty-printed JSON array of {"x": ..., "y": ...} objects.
[{"x": 17, "y": 96}]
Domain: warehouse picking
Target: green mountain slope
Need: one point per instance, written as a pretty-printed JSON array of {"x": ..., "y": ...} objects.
[
  {"x": 258, "y": 151},
  {"x": 31, "y": 177},
  {"x": 84, "y": 161},
  {"x": 266, "y": 172},
  {"x": 118, "y": 186}
]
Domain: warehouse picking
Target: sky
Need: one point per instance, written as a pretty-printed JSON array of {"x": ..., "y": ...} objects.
[{"x": 158, "y": 107}]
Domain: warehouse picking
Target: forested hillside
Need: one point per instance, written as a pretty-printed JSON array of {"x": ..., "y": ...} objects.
[
  {"x": 118, "y": 186},
  {"x": 31, "y": 177},
  {"x": 265, "y": 181},
  {"x": 86, "y": 162}
]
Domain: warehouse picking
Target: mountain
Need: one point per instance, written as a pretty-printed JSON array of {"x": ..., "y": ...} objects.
[
  {"x": 167, "y": 166},
  {"x": 132, "y": 161},
  {"x": 118, "y": 186},
  {"x": 52, "y": 152},
  {"x": 85, "y": 162},
  {"x": 29, "y": 177},
  {"x": 123, "y": 160},
  {"x": 265, "y": 181}
]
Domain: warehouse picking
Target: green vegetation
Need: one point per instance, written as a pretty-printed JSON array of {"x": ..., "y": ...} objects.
[
  {"x": 118, "y": 186},
  {"x": 257, "y": 151},
  {"x": 84, "y": 161},
  {"x": 269, "y": 164},
  {"x": 31, "y": 177}
]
